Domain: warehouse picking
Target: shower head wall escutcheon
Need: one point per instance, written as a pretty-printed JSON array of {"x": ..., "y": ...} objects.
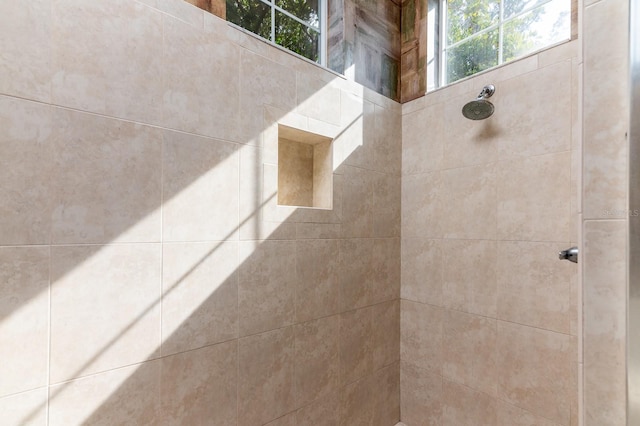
[{"x": 480, "y": 108}]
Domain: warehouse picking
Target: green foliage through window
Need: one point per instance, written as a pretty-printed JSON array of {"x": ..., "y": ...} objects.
[
  {"x": 292, "y": 24},
  {"x": 480, "y": 34}
]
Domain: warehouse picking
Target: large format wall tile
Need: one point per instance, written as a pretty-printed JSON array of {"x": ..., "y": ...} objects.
[
  {"x": 534, "y": 202},
  {"x": 533, "y": 288},
  {"x": 267, "y": 279},
  {"x": 195, "y": 81},
  {"x": 24, "y": 318},
  {"x": 25, "y": 408},
  {"x": 262, "y": 82},
  {"x": 535, "y": 370},
  {"x": 266, "y": 376},
  {"x": 462, "y": 406},
  {"x": 421, "y": 336},
  {"x": 199, "y": 295},
  {"x": 469, "y": 202},
  {"x": 107, "y": 58},
  {"x": 422, "y": 140},
  {"x": 469, "y": 351},
  {"x": 526, "y": 129},
  {"x": 606, "y": 110},
  {"x": 469, "y": 276},
  {"x": 317, "y": 359},
  {"x": 200, "y": 188},
  {"x": 422, "y": 205},
  {"x": 318, "y": 279},
  {"x": 25, "y": 172},
  {"x": 25, "y": 70},
  {"x": 420, "y": 396},
  {"x": 422, "y": 270},
  {"x": 108, "y": 184},
  {"x": 129, "y": 395},
  {"x": 605, "y": 321},
  {"x": 105, "y": 307},
  {"x": 356, "y": 273},
  {"x": 356, "y": 341},
  {"x": 199, "y": 387}
]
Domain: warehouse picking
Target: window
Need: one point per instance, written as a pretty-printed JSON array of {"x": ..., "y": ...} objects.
[
  {"x": 469, "y": 36},
  {"x": 297, "y": 25}
]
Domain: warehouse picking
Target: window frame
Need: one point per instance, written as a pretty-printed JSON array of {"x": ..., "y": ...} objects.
[
  {"x": 441, "y": 47},
  {"x": 321, "y": 30}
]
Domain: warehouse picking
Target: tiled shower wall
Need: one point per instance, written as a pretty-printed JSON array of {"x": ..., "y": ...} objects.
[
  {"x": 489, "y": 315},
  {"x": 148, "y": 276},
  {"x": 605, "y": 213}
]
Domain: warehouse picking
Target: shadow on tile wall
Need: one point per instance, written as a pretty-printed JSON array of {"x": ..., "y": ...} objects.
[{"x": 152, "y": 277}]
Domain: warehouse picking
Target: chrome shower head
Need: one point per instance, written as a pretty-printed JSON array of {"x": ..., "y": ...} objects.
[{"x": 480, "y": 108}]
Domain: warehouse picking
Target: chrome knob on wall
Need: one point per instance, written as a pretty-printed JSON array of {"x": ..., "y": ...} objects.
[{"x": 570, "y": 254}]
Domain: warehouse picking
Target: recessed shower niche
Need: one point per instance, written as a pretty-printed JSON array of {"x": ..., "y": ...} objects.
[{"x": 305, "y": 169}]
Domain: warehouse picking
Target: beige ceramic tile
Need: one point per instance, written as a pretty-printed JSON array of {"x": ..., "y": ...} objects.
[
  {"x": 356, "y": 345},
  {"x": 386, "y": 398},
  {"x": 129, "y": 395},
  {"x": 199, "y": 295},
  {"x": 468, "y": 142},
  {"x": 198, "y": 77},
  {"x": 312, "y": 231},
  {"x": 420, "y": 396},
  {"x": 385, "y": 274},
  {"x": 357, "y": 403},
  {"x": 469, "y": 276},
  {"x": 387, "y": 148},
  {"x": 317, "y": 359},
  {"x": 387, "y": 194},
  {"x": 422, "y": 270},
  {"x": 386, "y": 334},
  {"x": 200, "y": 189},
  {"x": 568, "y": 50},
  {"x": 295, "y": 173},
  {"x": 462, "y": 406},
  {"x": 322, "y": 412},
  {"x": 606, "y": 110},
  {"x": 266, "y": 376},
  {"x": 125, "y": 79},
  {"x": 108, "y": 298},
  {"x": 24, "y": 318},
  {"x": 422, "y": 205},
  {"x": 182, "y": 10},
  {"x": 26, "y": 172},
  {"x": 421, "y": 336},
  {"x": 535, "y": 371},
  {"x": 355, "y": 144},
  {"x": 423, "y": 140},
  {"x": 534, "y": 287},
  {"x": 510, "y": 415},
  {"x": 26, "y": 55},
  {"x": 262, "y": 82},
  {"x": 469, "y": 352},
  {"x": 356, "y": 273},
  {"x": 200, "y": 387},
  {"x": 605, "y": 306},
  {"x": 413, "y": 106},
  {"x": 469, "y": 202},
  {"x": 534, "y": 198},
  {"x": 27, "y": 408},
  {"x": 266, "y": 288},
  {"x": 108, "y": 180},
  {"x": 287, "y": 420},
  {"x": 526, "y": 129},
  {"x": 357, "y": 203},
  {"x": 317, "y": 292},
  {"x": 317, "y": 99}
]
